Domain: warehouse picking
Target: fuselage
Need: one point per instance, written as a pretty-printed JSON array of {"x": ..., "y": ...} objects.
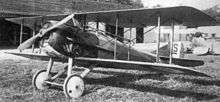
[{"x": 93, "y": 44}]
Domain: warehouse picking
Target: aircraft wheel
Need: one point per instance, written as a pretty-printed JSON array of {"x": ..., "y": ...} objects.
[
  {"x": 73, "y": 86},
  {"x": 38, "y": 80}
]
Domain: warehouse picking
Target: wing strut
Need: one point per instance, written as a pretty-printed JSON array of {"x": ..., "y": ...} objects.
[
  {"x": 84, "y": 22},
  {"x": 33, "y": 34},
  {"x": 41, "y": 41},
  {"x": 158, "y": 39},
  {"x": 116, "y": 33},
  {"x": 21, "y": 31},
  {"x": 97, "y": 27},
  {"x": 171, "y": 41},
  {"x": 129, "y": 42},
  {"x": 129, "y": 48}
]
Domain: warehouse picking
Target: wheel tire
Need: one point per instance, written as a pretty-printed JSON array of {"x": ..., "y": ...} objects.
[
  {"x": 73, "y": 86},
  {"x": 38, "y": 80}
]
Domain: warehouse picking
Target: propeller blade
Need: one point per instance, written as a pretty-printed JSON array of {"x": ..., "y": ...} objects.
[
  {"x": 76, "y": 23},
  {"x": 28, "y": 43},
  {"x": 57, "y": 24}
]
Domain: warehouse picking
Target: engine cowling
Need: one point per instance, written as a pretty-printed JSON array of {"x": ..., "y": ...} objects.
[
  {"x": 64, "y": 44},
  {"x": 71, "y": 41}
]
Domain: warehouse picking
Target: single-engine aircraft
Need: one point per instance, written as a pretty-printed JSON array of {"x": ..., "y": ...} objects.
[{"x": 69, "y": 41}]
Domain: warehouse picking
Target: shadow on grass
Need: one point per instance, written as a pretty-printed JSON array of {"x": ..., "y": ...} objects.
[
  {"x": 161, "y": 77},
  {"x": 121, "y": 80},
  {"x": 124, "y": 80},
  {"x": 210, "y": 81}
]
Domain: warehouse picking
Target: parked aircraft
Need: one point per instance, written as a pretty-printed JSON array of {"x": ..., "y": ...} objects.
[
  {"x": 69, "y": 41},
  {"x": 205, "y": 45}
]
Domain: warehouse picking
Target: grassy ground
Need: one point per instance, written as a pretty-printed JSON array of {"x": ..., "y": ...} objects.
[{"x": 113, "y": 85}]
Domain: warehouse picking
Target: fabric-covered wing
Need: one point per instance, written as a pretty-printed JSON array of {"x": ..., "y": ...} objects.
[
  {"x": 183, "y": 62},
  {"x": 135, "y": 65},
  {"x": 184, "y": 15},
  {"x": 8, "y": 14},
  {"x": 42, "y": 57},
  {"x": 36, "y": 20},
  {"x": 143, "y": 17},
  {"x": 120, "y": 64}
]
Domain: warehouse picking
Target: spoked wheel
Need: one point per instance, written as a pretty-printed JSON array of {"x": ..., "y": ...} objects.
[
  {"x": 38, "y": 80},
  {"x": 73, "y": 86}
]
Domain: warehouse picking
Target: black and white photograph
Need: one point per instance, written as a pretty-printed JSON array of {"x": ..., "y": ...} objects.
[{"x": 109, "y": 51}]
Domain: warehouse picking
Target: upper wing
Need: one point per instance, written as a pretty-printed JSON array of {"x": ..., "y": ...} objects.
[
  {"x": 8, "y": 14},
  {"x": 121, "y": 64},
  {"x": 36, "y": 20},
  {"x": 143, "y": 17}
]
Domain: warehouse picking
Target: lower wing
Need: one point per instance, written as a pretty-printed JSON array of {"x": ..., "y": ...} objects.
[
  {"x": 183, "y": 62},
  {"x": 121, "y": 64}
]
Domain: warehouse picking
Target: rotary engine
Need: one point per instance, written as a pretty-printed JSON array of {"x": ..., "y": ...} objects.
[
  {"x": 62, "y": 40},
  {"x": 67, "y": 40},
  {"x": 65, "y": 44}
]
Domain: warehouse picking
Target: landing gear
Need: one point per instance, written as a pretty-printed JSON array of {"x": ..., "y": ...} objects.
[
  {"x": 38, "y": 80},
  {"x": 73, "y": 86},
  {"x": 41, "y": 76}
]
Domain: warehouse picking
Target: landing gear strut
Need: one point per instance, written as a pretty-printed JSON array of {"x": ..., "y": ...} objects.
[{"x": 73, "y": 86}]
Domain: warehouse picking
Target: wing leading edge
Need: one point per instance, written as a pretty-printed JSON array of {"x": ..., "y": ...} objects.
[
  {"x": 187, "y": 16},
  {"x": 121, "y": 64}
]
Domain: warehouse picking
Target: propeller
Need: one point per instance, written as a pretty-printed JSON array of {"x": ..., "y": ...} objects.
[{"x": 28, "y": 43}]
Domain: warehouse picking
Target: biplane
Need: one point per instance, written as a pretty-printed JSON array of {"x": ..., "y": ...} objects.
[{"x": 69, "y": 41}]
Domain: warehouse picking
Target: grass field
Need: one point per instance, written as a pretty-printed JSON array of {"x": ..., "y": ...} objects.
[{"x": 111, "y": 85}]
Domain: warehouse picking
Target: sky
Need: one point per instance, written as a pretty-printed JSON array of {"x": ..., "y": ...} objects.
[{"x": 199, "y": 4}]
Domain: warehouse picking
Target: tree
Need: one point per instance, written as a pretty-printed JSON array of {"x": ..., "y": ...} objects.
[
  {"x": 126, "y": 2},
  {"x": 213, "y": 11},
  {"x": 157, "y": 6},
  {"x": 129, "y": 2}
]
